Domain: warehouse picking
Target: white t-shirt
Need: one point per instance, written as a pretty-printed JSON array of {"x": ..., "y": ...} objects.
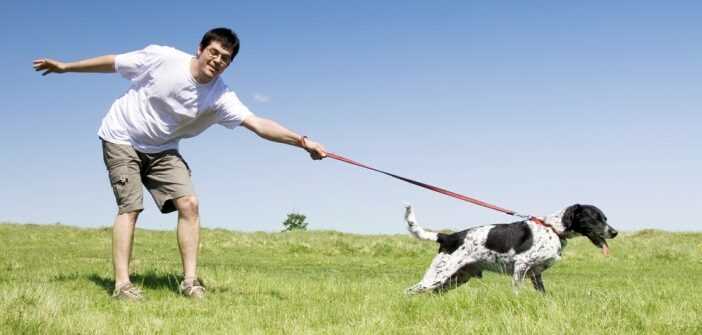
[{"x": 164, "y": 102}]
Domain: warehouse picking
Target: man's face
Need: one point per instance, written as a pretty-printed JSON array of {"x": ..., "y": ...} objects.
[{"x": 213, "y": 60}]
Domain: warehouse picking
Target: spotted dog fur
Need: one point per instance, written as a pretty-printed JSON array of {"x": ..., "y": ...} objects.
[{"x": 520, "y": 249}]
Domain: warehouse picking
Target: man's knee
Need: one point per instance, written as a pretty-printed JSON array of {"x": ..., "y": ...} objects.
[
  {"x": 188, "y": 206},
  {"x": 128, "y": 217}
]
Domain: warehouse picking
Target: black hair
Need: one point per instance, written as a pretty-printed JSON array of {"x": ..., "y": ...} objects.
[{"x": 224, "y": 36}]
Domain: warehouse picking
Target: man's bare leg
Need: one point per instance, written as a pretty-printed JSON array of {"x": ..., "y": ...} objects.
[
  {"x": 188, "y": 234},
  {"x": 122, "y": 240}
]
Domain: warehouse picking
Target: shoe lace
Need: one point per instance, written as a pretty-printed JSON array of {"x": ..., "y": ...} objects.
[
  {"x": 133, "y": 290},
  {"x": 128, "y": 289},
  {"x": 192, "y": 287}
]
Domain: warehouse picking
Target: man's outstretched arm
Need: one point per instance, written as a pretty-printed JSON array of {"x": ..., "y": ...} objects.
[
  {"x": 102, "y": 64},
  {"x": 273, "y": 131}
]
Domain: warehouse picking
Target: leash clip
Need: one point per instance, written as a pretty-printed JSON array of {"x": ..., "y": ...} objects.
[{"x": 527, "y": 217}]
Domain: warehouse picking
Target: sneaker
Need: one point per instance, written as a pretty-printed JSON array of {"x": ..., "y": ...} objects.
[
  {"x": 127, "y": 292},
  {"x": 193, "y": 290}
]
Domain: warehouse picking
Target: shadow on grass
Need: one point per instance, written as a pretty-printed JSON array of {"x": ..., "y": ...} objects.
[
  {"x": 159, "y": 281},
  {"x": 150, "y": 280}
]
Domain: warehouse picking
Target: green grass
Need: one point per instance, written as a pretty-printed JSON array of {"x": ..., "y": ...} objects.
[{"x": 57, "y": 280}]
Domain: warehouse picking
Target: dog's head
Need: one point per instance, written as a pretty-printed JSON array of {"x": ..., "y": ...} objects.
[{"x": 589, "y": 221}]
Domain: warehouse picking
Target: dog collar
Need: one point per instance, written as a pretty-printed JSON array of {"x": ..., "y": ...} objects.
[{"x": 542, "y": 222}]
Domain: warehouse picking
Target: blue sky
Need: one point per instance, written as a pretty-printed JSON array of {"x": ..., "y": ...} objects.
[{"x": 531, "y": 106}]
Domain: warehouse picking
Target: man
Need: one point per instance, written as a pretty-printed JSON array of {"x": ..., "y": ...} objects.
[{"x": 173, "y": 95}]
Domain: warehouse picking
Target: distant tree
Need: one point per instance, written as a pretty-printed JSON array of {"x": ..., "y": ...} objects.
[{"x": 295, "y": 221}]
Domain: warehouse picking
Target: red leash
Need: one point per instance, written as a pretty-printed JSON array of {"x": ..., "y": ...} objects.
[{"x": 444, "y": 191}]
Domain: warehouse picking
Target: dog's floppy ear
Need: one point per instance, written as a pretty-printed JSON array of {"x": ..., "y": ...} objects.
[{"x": 569, "y": 215}]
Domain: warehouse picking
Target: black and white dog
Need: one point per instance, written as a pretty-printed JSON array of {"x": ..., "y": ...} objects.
[{"x": 519, "y": 249}]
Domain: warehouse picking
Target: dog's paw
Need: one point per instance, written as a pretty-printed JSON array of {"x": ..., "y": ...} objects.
[{"x": 413, "y": 290}]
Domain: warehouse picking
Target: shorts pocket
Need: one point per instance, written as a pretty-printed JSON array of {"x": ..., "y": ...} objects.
[
  {"x": 119, "y": 187},
  {"x": 119, "y": 179},
  {"x": 126, "y": 187}
]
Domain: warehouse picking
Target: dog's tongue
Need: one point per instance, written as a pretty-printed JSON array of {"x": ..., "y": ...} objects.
[{"x": 605, "y": 249}]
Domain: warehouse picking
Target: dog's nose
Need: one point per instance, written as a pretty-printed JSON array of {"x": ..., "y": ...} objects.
[{"x": 613, "y": 232}]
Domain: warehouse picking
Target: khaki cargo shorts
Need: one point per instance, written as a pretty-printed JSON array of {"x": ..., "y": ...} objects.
[{"x": 165, "y": 175}]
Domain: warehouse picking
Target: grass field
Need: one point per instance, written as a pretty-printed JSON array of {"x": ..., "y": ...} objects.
[{"x": 56, "y": 279}]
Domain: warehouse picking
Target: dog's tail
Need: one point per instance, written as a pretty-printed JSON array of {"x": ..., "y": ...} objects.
[{"x": 415, "y": 229}]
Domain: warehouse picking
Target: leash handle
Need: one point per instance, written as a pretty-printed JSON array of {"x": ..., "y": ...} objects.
[{"x": 431, "y": 187}]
